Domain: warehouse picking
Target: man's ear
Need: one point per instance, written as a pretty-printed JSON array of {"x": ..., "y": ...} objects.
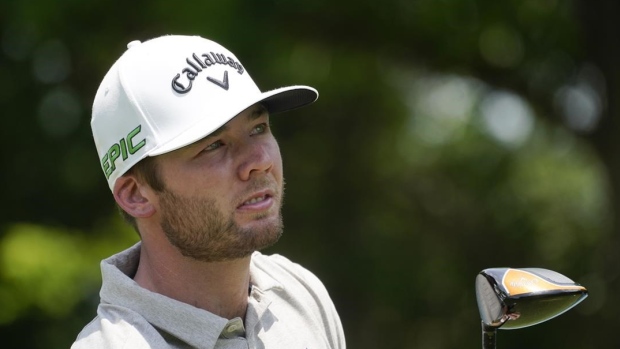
[{"x": 134, "y": 197}]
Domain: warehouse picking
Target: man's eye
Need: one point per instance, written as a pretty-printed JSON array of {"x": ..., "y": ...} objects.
[
  {"x": 260, "y": 128},
  {"x": 214, "y": 145}
]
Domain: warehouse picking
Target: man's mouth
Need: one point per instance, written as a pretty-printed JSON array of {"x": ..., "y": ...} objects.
[{"x": 255, "y": 200}]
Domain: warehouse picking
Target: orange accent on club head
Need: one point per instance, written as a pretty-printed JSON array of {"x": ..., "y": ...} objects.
[{"x": 519, "y": 282}]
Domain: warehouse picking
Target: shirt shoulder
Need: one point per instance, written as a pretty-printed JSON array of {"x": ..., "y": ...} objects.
[
  {"x": 282, "y": 269},
  {"x": 118, "y": 328},
  {"x": 302, "y": 289}
]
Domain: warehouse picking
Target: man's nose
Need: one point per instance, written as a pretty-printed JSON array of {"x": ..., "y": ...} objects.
[{"x": 255, "y": 159}]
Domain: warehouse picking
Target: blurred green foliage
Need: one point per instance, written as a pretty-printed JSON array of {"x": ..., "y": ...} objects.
[
  {"x": 450, "y": 136},
  {"x": 50, "y": 269}
]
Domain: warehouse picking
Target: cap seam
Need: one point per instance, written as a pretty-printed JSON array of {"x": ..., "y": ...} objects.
[{"x": 136, "y": 105}]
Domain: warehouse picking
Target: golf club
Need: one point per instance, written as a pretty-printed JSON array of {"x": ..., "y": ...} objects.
[{"x": 510, "y": 298}]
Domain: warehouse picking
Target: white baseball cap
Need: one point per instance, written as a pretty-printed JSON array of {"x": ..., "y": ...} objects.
[{"x": 172, "y": 91}]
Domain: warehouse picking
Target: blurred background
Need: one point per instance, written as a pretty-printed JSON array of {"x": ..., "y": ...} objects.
[{"x": 450, "y": 136}]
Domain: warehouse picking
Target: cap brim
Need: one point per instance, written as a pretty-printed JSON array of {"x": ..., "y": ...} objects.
[
  {"x": 288, "y": 98},
  {"x": 276, "y": 101}
]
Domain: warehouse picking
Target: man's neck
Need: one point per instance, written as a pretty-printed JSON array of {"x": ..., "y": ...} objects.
[{"x": 218, "y": 287}]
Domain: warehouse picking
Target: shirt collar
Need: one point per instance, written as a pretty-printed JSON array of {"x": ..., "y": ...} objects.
[
  {"x": 197, "y": 327},
  {"x": 260, "y": 277}
]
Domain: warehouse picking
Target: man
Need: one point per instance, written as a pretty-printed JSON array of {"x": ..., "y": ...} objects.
[{"x": 184, "y": 141}]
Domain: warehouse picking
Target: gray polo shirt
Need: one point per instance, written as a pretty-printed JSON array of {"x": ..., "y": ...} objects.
[{"x": 288, "y": 308}]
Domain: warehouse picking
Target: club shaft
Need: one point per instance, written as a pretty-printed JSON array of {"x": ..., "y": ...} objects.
[{"x": 489, "y": 339}]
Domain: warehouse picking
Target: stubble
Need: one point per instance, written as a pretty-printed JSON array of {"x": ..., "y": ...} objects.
[{"x": 200, "y": 230}]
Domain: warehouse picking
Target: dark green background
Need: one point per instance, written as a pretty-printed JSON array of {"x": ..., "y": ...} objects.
[{"x": 397, "y": 192}]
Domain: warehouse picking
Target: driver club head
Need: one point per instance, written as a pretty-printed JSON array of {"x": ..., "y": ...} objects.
[{"x": 510, "y": 298}]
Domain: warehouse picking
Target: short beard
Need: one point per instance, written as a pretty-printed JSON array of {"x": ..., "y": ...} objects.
[{"x": 199, "y": 230}]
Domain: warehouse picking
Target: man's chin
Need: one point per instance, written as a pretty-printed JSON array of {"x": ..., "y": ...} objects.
[
  {"x": 265, "y": 231},
  {"x": 257, "y": 220}
]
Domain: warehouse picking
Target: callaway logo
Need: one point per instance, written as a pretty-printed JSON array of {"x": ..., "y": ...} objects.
[
  {"x": 222, "y": 84},
  {"x": 196, "y": 65}
]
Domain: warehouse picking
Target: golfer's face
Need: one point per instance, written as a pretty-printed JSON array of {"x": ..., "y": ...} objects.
[{"x": 239, "y": 166}]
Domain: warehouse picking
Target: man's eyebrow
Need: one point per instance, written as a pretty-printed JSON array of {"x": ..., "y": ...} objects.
[{"x": 259, "y": 110}]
